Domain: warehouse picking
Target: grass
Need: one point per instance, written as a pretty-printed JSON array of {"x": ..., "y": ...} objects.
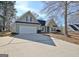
[{"x": 73, "y": 37}]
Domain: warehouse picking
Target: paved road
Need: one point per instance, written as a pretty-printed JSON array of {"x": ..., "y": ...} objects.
[
  {"x": 19, "y": 47},
  {"x": 37, "y": 38}
]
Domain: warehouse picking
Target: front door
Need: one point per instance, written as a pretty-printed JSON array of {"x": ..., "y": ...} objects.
[{"x": 48, "y": 29}]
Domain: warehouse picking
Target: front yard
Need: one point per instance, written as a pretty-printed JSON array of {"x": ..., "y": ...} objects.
[
  {"x": 5, "y": 34},
  {"x": 19, "y": 47},
  {"x": 38, "y": 45},
  {"x": 74, "y": 37}
]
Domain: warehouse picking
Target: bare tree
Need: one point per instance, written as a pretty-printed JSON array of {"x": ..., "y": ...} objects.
[
  {"x": 8, "y": 12},
  {"x": 61, "y": 9},
  {"x": 65, "y": 18}
]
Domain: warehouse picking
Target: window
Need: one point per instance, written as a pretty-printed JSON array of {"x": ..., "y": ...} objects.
[
  {"x": 51, "y": 29},
  {"x": 30, "y": 18},
  {"x": 42, "y": 29},
  {"x": 54, "y": 29},
  {"x": 26, "y": 18}
]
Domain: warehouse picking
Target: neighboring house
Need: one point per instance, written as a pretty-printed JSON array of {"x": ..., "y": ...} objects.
[
  {"x": 48, "y": 26},
  {"x": 73, "y": 23},
  {"x": 71, "y": 28},
  {"x": 51, "y": 26},
  {"x": 28, "y": 23},
  {"x": 42, "y": 25}
]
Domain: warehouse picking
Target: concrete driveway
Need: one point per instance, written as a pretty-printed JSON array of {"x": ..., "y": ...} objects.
[{"x": 19, "y": 46}]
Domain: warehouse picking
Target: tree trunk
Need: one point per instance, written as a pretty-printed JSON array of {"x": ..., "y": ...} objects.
[
  {"x": 5, "y": 13},
  {"x": 4, "y": 25},
  {"x": 65, "y": 17}
]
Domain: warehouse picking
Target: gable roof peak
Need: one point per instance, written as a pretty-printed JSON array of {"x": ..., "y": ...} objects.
[{"x": 29, "y": 11}]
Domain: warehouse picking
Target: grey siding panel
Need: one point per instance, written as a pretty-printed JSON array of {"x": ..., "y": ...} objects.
[
  {"x": 21, "y": 24},
  {"x": 17, "y": 28}
]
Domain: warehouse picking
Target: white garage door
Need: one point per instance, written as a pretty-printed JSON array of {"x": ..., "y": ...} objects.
[{"x": 27, "y": 29}]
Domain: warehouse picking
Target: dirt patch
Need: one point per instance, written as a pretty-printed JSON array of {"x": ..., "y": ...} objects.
[
  {"x": 73, "y": 37},
  {"x": 3, "y": 55},
  {"x": 2, "y": 34}
]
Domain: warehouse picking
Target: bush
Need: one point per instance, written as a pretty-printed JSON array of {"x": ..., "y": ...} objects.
[
  {"x": 58, "y": 30},
  {"x": 38, "y": 31}
]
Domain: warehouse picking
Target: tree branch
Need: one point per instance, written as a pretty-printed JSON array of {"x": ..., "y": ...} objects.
[{"x": 72, "y": 12}]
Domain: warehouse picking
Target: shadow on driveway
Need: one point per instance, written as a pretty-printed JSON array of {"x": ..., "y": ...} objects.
[
  {"x": 3, "y": 55},
  {"x": 36, "y": 38}
]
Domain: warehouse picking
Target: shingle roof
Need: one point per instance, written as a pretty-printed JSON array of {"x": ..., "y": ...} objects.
[{"x": 42, "y": 22}]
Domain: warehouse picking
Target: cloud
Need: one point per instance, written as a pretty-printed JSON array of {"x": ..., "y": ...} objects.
[
  {"x": 21, "y": 7},
  {"x": 24, "y": 6}
]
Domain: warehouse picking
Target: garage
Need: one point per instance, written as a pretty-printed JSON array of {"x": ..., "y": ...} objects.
[{"x": 27, "y": 29}]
